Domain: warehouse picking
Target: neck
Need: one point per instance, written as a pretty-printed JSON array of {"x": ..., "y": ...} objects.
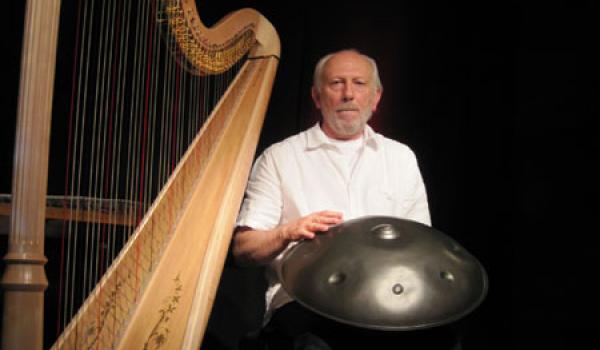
[{"x": 336, "y": 136}]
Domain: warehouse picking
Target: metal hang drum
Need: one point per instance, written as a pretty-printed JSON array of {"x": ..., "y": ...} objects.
[{"x": 384, "y": 273}]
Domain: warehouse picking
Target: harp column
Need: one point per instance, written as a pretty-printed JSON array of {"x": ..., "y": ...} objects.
[{"x": 24, "y": 279}]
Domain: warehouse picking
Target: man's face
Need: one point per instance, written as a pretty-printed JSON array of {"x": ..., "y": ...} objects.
[{"x": 347, "y": 97}]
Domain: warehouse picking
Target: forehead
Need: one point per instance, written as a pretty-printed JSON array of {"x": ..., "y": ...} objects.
[{"x": 347, "y": 64}]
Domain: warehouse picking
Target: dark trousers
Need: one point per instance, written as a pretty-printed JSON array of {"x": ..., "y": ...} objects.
[{"x": 294, "y": 327}]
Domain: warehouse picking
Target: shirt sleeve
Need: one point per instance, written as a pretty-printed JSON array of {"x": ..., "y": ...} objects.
[{"x": 261, "y": 208}]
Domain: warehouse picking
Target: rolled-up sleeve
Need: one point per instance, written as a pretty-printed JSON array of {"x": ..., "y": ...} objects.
[
  {"x": 261, "y": 208},
  {"x": 419, "y": 210},
  {"x": 406, "y": 176}
]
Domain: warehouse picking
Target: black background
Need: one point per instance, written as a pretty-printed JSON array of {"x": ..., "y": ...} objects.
[{"x": 497, "y": 99}]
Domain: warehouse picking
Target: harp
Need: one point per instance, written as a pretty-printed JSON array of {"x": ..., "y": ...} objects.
[{"x": 158, "y": 290}]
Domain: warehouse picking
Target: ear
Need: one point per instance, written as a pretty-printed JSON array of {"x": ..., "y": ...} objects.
[
  {"x": 376, "y": 99},
  {"x": 314, "y": 93}
]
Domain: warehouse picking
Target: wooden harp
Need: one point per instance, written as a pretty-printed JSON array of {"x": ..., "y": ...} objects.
[{"x": 159, "y": 289}]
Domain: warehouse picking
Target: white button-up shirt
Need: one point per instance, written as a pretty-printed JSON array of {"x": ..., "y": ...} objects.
[{"x": 302, "y": 175}]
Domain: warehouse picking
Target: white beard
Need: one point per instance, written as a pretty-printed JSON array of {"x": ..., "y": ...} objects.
[{"x": 345, "y": 128}]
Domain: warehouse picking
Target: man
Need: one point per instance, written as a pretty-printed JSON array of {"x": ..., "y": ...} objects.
[{"x": 337, "y": 170}]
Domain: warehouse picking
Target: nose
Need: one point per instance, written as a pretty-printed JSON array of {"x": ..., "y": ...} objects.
[{"x": 348, "y": 93}]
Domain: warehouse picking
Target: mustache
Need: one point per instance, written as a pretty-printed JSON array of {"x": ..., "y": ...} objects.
[{"x": 348, "y": 106}]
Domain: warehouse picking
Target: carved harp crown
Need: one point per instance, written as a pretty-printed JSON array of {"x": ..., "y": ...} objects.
[{"x": 158, "y": 290}]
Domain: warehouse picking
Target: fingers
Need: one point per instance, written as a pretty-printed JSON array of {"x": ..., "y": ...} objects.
[
  {"x": 308, "y": 226},
  {"x": 318, "y": 227},
  {"x": 319, "y": 222},
  {"x": 307, "y": 235},
  {"x": 329, "y": 214},
  {"x": 328, "y": 218}
]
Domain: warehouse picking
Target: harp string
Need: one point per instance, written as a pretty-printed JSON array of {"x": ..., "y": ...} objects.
[
  {"x": 65, "y": 232},
  {"x": 80, "y": 69},
  {"x": 107, "y": 154},
  {"x": 156, "y": 62},
  {"x": 116, "y": 110},
  {"x": 98, "y": 133}
]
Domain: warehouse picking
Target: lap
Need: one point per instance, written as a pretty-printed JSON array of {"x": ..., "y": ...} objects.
[{"x": 295, "y": 327}]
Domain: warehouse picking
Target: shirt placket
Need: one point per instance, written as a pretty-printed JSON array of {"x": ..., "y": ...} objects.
[
  {"x": 354, "y": 182},
  {"x": 334, "y": 167}
]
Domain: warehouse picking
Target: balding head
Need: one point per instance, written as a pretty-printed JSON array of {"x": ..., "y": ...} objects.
[{"x": 318, "y": 73}]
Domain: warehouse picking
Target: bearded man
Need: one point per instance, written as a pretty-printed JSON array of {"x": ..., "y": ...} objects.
[{"x": 337, "y": 170}]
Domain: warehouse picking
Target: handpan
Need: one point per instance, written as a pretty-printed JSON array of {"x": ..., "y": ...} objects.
[{"x": 384, "y": 273}]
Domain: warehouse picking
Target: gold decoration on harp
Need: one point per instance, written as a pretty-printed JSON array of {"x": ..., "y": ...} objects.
[
  {"x": 198, "y": 56},
  {"x": 94, "y": 329},
  {"x": 161, "y": 331}
]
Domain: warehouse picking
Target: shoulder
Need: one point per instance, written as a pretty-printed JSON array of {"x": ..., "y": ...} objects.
[
  {"x": 286, "y": 147},
  {"x": 394, "y": 149}
]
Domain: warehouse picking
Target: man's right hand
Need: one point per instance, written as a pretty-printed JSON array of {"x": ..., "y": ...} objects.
[
  {"x": 308, "y": 226},
  {"x": 253, "y": 247}
]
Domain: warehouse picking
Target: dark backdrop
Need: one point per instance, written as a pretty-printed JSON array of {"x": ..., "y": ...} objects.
[{"x": 495, "y": 98}]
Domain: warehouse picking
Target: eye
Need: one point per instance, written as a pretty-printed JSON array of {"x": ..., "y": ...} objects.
[{"x": 336, "y": 84}]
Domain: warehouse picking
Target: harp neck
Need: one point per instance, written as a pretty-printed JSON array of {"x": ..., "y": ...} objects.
[{"x": 214, "y": 50}]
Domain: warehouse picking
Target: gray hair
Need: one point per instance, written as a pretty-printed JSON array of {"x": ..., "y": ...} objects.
[{"x": 321, "y": 64}]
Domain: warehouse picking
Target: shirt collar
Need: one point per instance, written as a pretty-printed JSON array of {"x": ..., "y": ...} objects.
[{"x": 315, "y": 137}]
